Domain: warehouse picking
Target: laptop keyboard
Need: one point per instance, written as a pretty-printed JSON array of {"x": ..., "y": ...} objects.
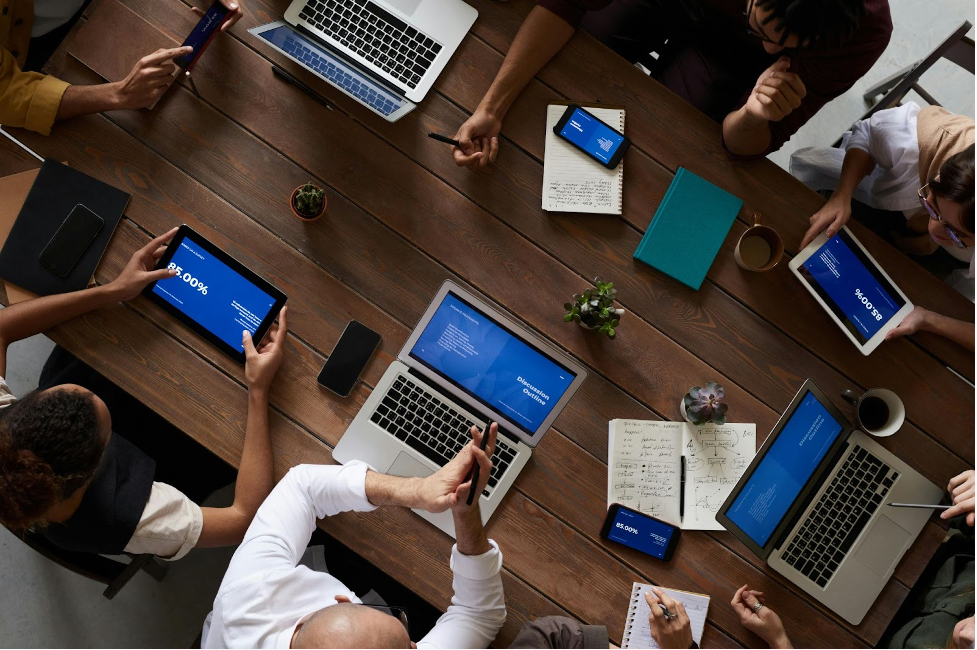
[
  {"x": 378, "y": 36},
  {"x": 418, "y": 417},
  {"x": 842, "y": 512},
  {"x": 342, "y": 78}
]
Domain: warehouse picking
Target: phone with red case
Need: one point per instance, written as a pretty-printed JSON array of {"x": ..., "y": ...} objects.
[{"x": 203, "y": 34}]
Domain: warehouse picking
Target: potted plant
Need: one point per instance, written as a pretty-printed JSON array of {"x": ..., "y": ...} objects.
[
  {"x": 701, "y": 405},
  {"x": 594, "y": 309},
  {"x": 308, "y": 202}
]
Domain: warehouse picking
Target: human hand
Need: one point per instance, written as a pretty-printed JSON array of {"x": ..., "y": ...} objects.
[
  {"x": 236, "y": 13},
  {"x": 448, "y": 487},
  {"x": 911, "y": 324},
  {"x": 777, "y": 93},
  {"x": 832, "y": 216},
  {"x": 763, "y": 621},
  {"x": 141, "y": 269},
  {"x": 668, "y": 633},
  {"x": 961, "y": 488},
  {"x": 479, "y": 138},
  {"x": 963, "y": 633},
  {"x": 148, "y": 79},
  {"x": 263, "y": 362}
]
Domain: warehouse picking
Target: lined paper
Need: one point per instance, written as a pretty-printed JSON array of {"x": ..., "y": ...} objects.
[
  {"x": 572, "y": 180},
  {"x": 637, "y": 629}
]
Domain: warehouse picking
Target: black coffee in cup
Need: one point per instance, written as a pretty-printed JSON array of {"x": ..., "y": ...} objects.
[{"x": 873, "y": 413}]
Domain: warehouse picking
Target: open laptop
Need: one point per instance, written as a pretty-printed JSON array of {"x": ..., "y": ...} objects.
[
  {"x": 385, "y": 54},
  {"x": 465, "y": 363},
  {"x": 813, "y": 505}
]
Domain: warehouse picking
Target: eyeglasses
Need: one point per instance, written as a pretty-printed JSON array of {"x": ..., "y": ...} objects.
[
  {"x": 397, "y": 612},
  {"x": 934, "y": 215}
]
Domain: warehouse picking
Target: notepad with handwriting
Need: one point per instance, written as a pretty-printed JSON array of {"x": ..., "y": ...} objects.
[
  {"x": 572, "y": 180},
  {"x": 637, "y": 629},
  {"x": 645, "y": 465}
]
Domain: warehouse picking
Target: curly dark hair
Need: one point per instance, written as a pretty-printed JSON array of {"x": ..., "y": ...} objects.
[
  {"x": 819, "y": 24},
  {"x": 957, "y": 184},
  {"x": 50, "y": 445}
]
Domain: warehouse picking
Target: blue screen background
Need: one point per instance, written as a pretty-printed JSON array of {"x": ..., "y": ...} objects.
[
  {"x": 232, "y": 304},
  {"x": 597, "y": 139},
  {"x": 645, "y": 534},
  {"x": 471, "y": 350},
  {"x": 839, "y": 272},
  {"x": 782, "y": 473}
]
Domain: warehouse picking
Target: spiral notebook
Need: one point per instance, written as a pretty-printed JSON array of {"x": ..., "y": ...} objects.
[
  {"x": 572, "y": 181},
  {"x": 637, "y": 629}
]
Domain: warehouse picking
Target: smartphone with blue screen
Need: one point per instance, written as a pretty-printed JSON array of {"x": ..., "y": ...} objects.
[
  {"x": 592, "y": 136},
  {"x": 202, "y": 34},
  {"x": 641, "y": 532}
]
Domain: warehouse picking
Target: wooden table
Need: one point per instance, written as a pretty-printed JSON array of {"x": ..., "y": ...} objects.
[{"x": 402, "y": 218}]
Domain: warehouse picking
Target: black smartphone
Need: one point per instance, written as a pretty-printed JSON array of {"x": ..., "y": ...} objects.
[
  {"x": 641, "y": 532},
  {"x": 73, "y": 238},
  {"x": 348, "y": 358},
  {"x": 591, "y": 136},
  {"x": 202, "y": 34}
]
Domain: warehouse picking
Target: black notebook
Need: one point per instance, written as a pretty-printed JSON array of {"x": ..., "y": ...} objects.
[{"x": 55, "y": 193}]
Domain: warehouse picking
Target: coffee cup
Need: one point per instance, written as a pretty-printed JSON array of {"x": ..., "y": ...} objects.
[
  {"x": 878, "y": 411},
  {"x": 760, "y": 248}
]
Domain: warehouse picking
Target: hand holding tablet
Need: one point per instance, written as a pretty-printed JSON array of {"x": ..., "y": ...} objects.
[{"x": 214, "y": 294}]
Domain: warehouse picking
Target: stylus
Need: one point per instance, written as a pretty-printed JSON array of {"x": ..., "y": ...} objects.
[
  {"x": 286, "y": 77},
  {"x": 918, "y": 505},
  {"x": 471, "y": 492},
  {"x": 443, "y": 138}
]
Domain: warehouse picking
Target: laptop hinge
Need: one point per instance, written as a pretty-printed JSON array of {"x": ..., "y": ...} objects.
[{"x": 366, "y": 72}]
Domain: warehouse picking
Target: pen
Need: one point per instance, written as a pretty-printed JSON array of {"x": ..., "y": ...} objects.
[
  {"x": 443, "y": 138},
  {"x": 918, "y": 505},
  {"x": 681, "y": 499},
  {"x": 962, "y": 378},
  {"x": 286, "y": 77},
  {"x": 668, "y": 614},
  {"x": 193, "y": 86},
  {"x": 471, "y": 492}
]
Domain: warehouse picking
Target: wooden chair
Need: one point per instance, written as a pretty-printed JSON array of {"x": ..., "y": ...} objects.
[{"x": 112, "y": 573}]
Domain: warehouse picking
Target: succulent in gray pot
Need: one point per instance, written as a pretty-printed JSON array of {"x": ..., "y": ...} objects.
[
  {"x": 594, "y": 309},
  {"x": 703, "y": 404}
]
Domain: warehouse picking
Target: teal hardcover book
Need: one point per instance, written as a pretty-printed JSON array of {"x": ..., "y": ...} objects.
[{"x": 688, "y": 228}]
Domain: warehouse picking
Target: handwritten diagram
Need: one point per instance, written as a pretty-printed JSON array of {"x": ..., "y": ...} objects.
[{"x": 715, "y": 456}]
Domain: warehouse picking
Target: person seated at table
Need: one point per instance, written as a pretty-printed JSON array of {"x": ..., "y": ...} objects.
[
  {"x": 269, "y": 600},
  {"x": 65, "y": 474},
  {"x": 762, "y": 72},
  {"x": 910, "y": 172},
  {"x": 30, "y": 32}
]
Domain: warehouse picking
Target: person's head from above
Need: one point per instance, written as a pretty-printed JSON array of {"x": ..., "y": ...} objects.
[
  {"x": 51, "y": 444},
  {"x": 949, "y": 200},
  {"x": 802, "y": 24},
  {"x": 350, "y": 625}
]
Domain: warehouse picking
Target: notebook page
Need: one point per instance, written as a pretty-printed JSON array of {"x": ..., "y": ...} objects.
[
  {"x": 716, "y": 455},
  {"x": 644, "y": 467},
  {"x": 572, "y": 180},
  {"x": 637, "y": 629}
]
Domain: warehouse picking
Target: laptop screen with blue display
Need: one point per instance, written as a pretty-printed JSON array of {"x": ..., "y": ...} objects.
[{"x": 491, "y": 364}]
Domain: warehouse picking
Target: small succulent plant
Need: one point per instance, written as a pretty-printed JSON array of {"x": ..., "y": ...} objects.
[
  {"x": 707, "y": 404},
  {"x": 308, "y": 200},
  {"x": 595, "y": 308}
]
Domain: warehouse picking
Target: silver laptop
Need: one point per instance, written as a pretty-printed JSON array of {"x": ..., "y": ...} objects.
[
  {"x": 464, "y": 364},
  {"x": 385, "y": 54},
  {"x": 813, "y": 504}
]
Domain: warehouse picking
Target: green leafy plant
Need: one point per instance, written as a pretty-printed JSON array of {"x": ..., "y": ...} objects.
[
  {"x": 706, "y": 404},
  {"x": 308, "y": 200},
  {"x": 595, "y": 308}
]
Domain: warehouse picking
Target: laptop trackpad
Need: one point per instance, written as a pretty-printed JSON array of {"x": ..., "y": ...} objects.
[
  {"x": 883, "y": 546},
  {"x": 406, "y": 7},
  {"x": 407, "y": 465}
]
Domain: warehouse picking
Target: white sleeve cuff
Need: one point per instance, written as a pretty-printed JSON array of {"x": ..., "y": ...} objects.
[
  {"x": 477, "y": 567},
  {"x": 348, "y": 488}
]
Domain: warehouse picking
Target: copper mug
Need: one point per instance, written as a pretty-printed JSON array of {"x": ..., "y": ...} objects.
[{"x": 760, "y": 248}]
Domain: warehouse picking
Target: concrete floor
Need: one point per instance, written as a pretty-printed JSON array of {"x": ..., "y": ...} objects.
[{"x": 42, "y": 605}]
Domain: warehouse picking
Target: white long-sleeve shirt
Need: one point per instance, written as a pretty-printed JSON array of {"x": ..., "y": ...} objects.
[{"x": 265, "y": 592}]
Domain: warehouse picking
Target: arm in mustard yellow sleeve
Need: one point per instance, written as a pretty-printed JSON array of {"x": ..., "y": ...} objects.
[{"x": 28, "y": 100}]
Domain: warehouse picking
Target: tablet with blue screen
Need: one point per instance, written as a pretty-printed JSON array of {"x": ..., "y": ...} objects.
[
  {"x": 852, "y": 288},
  {"x": 214, "y": 294}
]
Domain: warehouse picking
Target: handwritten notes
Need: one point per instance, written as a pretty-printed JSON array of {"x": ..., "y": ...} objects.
[
  {"x": 637, "y": 629},
  {"x": 644, "y": 468},
  {"x": 572, "y": 181}
]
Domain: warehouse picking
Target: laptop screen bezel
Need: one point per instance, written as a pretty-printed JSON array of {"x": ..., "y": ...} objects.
[
  {"x": 518, "y": 330},
  {"x": 813, "y": 482}
]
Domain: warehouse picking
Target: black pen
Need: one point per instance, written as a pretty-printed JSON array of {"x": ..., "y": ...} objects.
[
  {"x": 919, "y": 505},
  {"x": 681, "y": 494},
  {"x": 445, "y": 139},
  {"x": 286, "y": 77},
  {"x": 471, "y": 491}
]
